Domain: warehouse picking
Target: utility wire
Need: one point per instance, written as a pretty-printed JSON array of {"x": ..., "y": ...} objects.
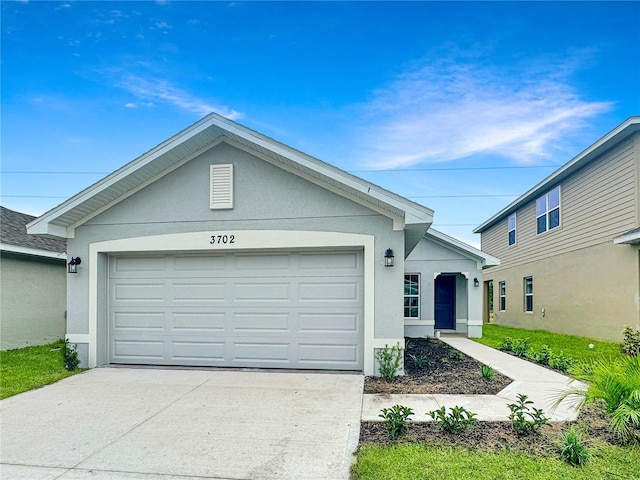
[{"x": 429, "y": 169}]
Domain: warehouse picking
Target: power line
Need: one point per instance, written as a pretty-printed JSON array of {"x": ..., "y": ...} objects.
[
  {"x": 430, "y": 169},
  {"x": 453, "y": 168},
  {"x": 466, "y": 196}
]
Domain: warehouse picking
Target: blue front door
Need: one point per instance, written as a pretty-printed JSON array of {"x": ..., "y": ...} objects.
[{"x": 445, "y": 302}]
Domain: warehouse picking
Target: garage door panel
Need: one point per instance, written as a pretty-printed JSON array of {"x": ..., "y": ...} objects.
[
  {"x": 189, "y": 265},
  {"x": 329, "y": 291},
  {"x": 139, "y": 292},
  {"x": 198, "y": 351},
  {"x": 315, "y": 323},
  {"x": 341, "y": 263},
  {"x": 198, "y": 292},
  {"x": 314, "y": 354},
  {"x": 138, "y": 320},
  {"x": 138, "y": 266},
  {"x": 138, "y": 350},
  {"x": 269, "y": 353},
  {"x": 289, "y": 310},
  {"x": 204, "y": 323},
  {"x": 248, "y": 323},
  {"x": 263, "y": 292}
]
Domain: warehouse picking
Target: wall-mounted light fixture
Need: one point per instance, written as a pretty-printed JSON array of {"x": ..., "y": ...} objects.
[
  {"x": 476, "y": 282},
  {"x": 388, "y": 258},
  {"x": 72, "y": 266}
]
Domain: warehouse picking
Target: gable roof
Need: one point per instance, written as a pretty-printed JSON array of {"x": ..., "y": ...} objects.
[
  {"x": 464, "y": 249},
  {"x": 14, "y": 238},
  {"x": 211, "y": 130},
  {"x": 617, "y": 135}
]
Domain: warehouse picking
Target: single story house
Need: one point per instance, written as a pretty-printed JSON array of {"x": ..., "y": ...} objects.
[
  {"x": 33, "y": 283},
  {"x": 223, "y": 247},
  {"x": 570, "y": 246}
]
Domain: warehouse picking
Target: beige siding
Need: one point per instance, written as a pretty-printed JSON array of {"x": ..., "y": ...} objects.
[
  {"x": 598, "y": 203},
  {"x": 585, "y": 292}
]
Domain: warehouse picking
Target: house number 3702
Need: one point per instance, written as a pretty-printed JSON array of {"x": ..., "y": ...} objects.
[{"x": 222, "y": 239}]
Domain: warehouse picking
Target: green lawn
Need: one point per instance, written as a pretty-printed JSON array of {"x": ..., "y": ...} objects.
[
  {"x": 27, "y": 368},
  {"x": 413, "y": 461},
  {"x": 572, "y": 346}
]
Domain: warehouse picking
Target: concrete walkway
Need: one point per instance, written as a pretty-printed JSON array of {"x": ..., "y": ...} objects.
[{"x": 540, "y": 384}]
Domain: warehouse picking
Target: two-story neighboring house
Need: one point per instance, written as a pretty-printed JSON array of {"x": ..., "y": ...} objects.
[{"x": 570, "y": 246}]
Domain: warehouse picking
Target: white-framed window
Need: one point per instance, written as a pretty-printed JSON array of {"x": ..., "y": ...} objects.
[
  {"x": 412, "y": 295},
  {"x": 548, "y": 211},
  {"x": 502, "y": 292},
  {"x": 511, "y": 224},
  {"x": 528, "y": 294}
]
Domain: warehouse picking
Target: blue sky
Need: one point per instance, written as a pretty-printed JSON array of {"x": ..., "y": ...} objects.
[{"x": 460, "y": 106}]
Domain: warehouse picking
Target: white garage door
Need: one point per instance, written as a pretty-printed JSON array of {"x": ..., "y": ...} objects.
[{"x": 275, "y": 310}]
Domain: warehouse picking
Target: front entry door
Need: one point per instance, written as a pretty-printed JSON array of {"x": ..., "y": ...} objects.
[{"x": 445, "y": 302}]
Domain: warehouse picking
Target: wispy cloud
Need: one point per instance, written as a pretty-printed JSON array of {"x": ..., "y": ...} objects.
[
  {"x": 153, "y": 91},
  {"x": 455, "y": 105}
]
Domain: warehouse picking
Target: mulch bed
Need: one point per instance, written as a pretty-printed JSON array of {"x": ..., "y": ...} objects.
[{"x": 447, "y": 372}]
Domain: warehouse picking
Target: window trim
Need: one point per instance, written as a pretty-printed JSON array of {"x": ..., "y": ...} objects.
[
  {"x": 547, "y": 212},
  {"x": 514, "y": 230},
  {"x": 405, "y": 296},
  {"x": 502, "y": 296},
  {"x": 527, "y": 295}
]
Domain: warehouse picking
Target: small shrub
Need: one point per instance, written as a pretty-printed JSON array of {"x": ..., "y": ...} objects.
[
  {"x": 630, "y": 341},
  {"x": 456, "y": 354},
  {"x": 458, "y": 420},
  {"x": 561, "y": 362},
  {"x": 389, "y": 360},
  {"x": 396, "y": 419},
  {"x": 486, "y": 371},
  {"x": 572, "y": 448},
  {"x": 70, "y": 356},
  {"x": 542, "y": 355},
  {"x": 520, "y": 347},
  {"x": 506, "y": 345},
  {"x": 526, "y": 419},
  {"x": 419, "y": 362},
  {"x": 616, "y": 383}
]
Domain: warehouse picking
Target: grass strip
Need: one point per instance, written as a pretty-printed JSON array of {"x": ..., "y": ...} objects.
[
  {"x": 27, "y": 368},
  {"x": 571, "y": 345},
  {"x": 413, "y": 461}
]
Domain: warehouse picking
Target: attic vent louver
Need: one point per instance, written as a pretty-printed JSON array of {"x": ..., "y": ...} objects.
[{"x": 221, "y": 186}]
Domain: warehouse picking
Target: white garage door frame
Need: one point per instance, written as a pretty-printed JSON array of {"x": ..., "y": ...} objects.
[{"x": 235, "y": 240}]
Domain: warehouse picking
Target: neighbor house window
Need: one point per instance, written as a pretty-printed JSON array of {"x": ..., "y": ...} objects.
[
  {"x": 528, "y": 294},
  {"x": 548, "y": 211},
  {"x": 503, "y": 296},
  {"x": 512, "y": 229},
  {"x": 412, "y": 295}
]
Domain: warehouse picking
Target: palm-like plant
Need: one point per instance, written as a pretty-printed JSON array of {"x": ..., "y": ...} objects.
[{"x": 616, "y": 382}]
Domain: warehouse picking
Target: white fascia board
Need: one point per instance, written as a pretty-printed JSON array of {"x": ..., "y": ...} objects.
[
  {"x": 622, "y": 131},
  {"x": 464, "y": 248},
  {"x": 631, "y": 238},
  {"x": 42, "y": 227},
  {"x": 36, "y": 252}
]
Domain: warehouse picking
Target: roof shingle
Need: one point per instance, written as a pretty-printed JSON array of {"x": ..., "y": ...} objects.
[{"x": 13, "y": 231}]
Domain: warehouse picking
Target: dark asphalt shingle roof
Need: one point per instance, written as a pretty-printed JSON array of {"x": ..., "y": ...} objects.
[{"x": 13, "y": 231}]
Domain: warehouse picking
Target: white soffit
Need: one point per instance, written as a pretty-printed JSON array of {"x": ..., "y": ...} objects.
[{"x": 193, "y": 141}]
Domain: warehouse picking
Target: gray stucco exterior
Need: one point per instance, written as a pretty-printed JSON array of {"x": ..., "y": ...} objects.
[
  {"x": 282, "y": 201},
  {"x": 437, "y": 255},
  {"x": 33, "y": 300}
]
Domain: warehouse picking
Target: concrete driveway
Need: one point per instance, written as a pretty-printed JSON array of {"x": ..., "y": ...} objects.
[{"x": 122, "y": 423}]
